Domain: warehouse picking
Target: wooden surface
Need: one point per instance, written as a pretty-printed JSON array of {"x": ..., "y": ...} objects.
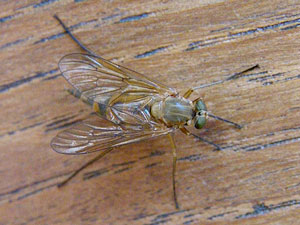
[{"x": 254, "y": 180}]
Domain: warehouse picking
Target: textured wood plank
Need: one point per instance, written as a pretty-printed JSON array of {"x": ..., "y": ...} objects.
[{"x": 255, "y": 180}]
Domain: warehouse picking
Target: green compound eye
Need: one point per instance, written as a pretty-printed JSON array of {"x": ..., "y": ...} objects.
[
  {"x": 200, "y": 106},
  {"x": 200, "y": 122}
]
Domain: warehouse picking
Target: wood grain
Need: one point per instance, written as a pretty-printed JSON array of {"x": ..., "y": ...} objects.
[{"x": 254, "y": 180}]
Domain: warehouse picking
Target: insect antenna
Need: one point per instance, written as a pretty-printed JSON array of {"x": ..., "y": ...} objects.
[
  {"x": 73, "y": 37},
  {"x": 232, "y": 77}
]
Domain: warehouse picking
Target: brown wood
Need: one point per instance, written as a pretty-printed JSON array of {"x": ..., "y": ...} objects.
[{"x": 255, "y": 180}]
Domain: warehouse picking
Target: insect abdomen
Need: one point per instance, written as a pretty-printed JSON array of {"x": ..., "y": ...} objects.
[
  {"x": 100, "y": 105},
  {"x": 80, "y": 96}
]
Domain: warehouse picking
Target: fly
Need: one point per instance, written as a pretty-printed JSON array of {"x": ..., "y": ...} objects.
[{"x": 128, "y": 106}]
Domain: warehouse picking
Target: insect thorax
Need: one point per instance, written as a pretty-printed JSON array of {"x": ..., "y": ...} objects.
[{"x": 173, "y": 111}]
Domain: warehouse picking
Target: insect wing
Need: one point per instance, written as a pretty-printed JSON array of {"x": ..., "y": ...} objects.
[
  {"x": 95, "y": 134},
  {"x": 122, "y": 97},
  {"x": 121, "y": 94},
  {"x": 94, "y": 76}
]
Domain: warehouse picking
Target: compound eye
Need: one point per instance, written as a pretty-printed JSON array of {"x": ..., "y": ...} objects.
[
  {"x": 200, "y": 121},
  {"x": 200, "y": 106}
]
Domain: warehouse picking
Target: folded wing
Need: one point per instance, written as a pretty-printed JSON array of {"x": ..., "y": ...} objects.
[
  {"x": 122, "y": 95},
  {"x": 122, "y": 98},
  {"x": 95, "y": 134}
]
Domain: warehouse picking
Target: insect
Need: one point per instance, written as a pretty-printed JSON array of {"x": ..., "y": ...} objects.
[{"x": 128, "y": 106}]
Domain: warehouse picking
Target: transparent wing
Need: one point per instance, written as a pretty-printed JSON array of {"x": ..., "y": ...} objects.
[
  {"x": 121, "y": 94},
  {"x": 95, "y": 134},
  {"x": 93, "y": 75}
]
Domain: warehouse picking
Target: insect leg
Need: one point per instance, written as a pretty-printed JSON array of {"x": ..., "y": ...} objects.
[
  {"x": 174, "y": 169},
  {"x": 73, "y": 37},
  {"x": 188, "y": 93},
  {"x": 185, "y": 131},
  {"x": 224, "y": 120},
  {"x": 84, "y": 166}
]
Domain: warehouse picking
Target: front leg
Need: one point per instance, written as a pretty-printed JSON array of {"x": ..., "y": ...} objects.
[
  {"x": 188, "y": 93},
  {"x": 174, "y": 169},
  {"x": 186, "y": 132}
]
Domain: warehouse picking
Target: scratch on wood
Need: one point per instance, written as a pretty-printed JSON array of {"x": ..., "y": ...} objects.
[
  {"x": 6, "y": 18},
  {"x": 25, "y": 6},
  {"x": 134, "y": 18},
  {"x": 188, "y": 215},
  {"x": 141, "y": 216},
  {"x": 52, "y": 77},
  {"x": 151, "y": 52},
  {"x": 31, "y": 126},
  {"x": 122, "y": 170},
  {"x": 166, "y": 215},
  {"x": 188, "y": 222},
  {"x": 272, "y": 144},
  {"x": 230, "y": 36},
  {"x": 36, "y": 191},
  {"x": 191, "y": 158},
  {"x": 7, "y": 45},
  {"x": 203, "y": 43},
  {"x": 21, "y": 129},
  {"x": 221, "y": 29},
  {"x": 261, "y": 209},
  {"x": 268, "y": 145},
  {"x": 100, "y": 172},
  {"x": 292, "y": 78},
  {"x": 94, "y": 174},
  {"x": 293, "y": 186},
  {"x": 290, "y": 27},
  {"x": 123, "y": 164},
  {"x": 154, "y": 153},
  {"x": 52, "y": 124},
  {"x": 32, "y": 185},
  {"x": 111, "y": 17},
  {"x": 283, "y": 80},
  {"x": 152, "y": 165},
  {"x": 158, "y": 222},
  {"x": 32, "y": 219},
  {"x": 220, "y": 215},
  {"x": 52, "y": 37},
  {"x": 264, "y": 28},
  {"x": 267, "y": 77},
  {"x": 44, "y": 3},
  {"x": 63, "y": 125},
  {"x": 6, "y": 87}
]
